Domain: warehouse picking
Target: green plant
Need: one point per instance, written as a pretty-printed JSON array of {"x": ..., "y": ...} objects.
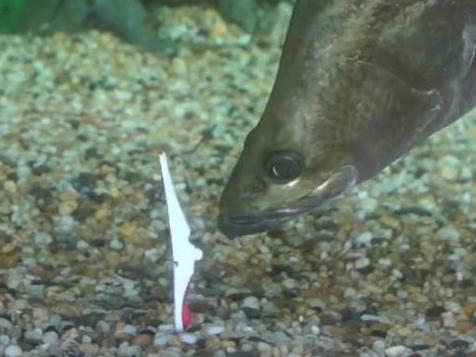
[{"x": 10, "y": 15}]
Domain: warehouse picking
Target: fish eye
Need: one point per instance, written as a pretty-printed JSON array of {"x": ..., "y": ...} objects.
[{"x": 284, "y": 166}]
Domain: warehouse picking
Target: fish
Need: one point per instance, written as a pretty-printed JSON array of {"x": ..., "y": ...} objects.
[{"x": 359, "y": 84}]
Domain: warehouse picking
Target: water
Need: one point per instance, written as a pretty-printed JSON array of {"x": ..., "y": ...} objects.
[{"x": 84, "y": 247}]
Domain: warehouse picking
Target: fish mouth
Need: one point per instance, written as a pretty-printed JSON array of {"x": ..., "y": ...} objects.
[
  {"x": 246, "y": 224},
  {"x": 235, "y": 226}
]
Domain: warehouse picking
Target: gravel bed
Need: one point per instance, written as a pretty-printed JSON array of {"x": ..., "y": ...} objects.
[{"x": 387, "y": 270}]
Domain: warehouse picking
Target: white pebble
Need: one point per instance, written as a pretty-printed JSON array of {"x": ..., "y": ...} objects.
[
  {"x": 82, "y": 245},
  {"x": 379, "y": 345},
  {"x": 116, "y": 244},
  {"x": 397, "y": 273},
  {"x": 251, "y": 302},
  {"x": 86, "y": 339},
  {"x": 103, "y": 326},
  {"x": 161, "y": 340},
  {"x": 64, "y": 223},
  {"x": 166, "y": 328},
  {"x": 4, "y": 340},
  {"x": 122, "y": 94},
  {"x": 23, "y": 171},
  {"x": 214, "y": 330},
  {"x": 5, "y": 325},
  {"x": 448, "y": 233},
  {"x": 449, "y": 319},
  {"x": 369, "y": 204},
  {"x": 42, "y": 238},
  {"x": 364, "y": 238},
  {"x": 50, "y": 338},
  {"x": 189, "y": 338},
  {"x": 290, "y": 284},
  {"x": 316, "y": 303},
  {"x": 130, "y": 351},
  {"x": 153, "y": 255},
  {"x": 362, "y": 263},
  {"x": 10, "y": 186},
  {"x": 385, "y": 262},
  {"x": 397, "y": 351},
  {"x": 449, "y": 167},
  {"x": 373, "y": 318},
  {"x": 263, "y": 347},
  {"x": 13, "y": 351},
  {"x": 130, "y": 330}
]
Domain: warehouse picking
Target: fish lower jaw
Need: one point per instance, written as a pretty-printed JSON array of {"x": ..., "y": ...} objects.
[
  {"x": 240, "y": 225},
  {"x": 245, "y": 225}
]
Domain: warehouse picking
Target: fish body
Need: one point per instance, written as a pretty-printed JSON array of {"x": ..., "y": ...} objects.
[{"x": 360, "y": 83}]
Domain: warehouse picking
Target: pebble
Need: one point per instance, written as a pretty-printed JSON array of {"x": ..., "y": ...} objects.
[
  {"x": 166, "y": 328},
  {"x": 449, "y": 167},
  {"x": 50, "y": 337},
  {"x": 128, "y": 229},
  {"x": 130, "y": 330},
  {"x": 4, "y": 340},
  {"x": 397, "y": 351},
  {"x": 378, "y": 345},
  {"x": 251, "y": 307},
  {"x": 369, "y": 204},
  {"x": 448, "y": 233},
  {"x": 189, "y": 338},
  {"x": 214, "y": 330},
  {"x": 124, "y": 332},
  {"x": 43, "y": 239},
  {"x": 82, "y": 245},
  {"x": 160, "y": 340},
  {"x": 116, "y": 244},
  {"x": 70, "y": 334},
  {"x": 23, "y": 171},
  {"x": 64, "y": 223},
  {"x": 270, "y": 309},
  {"x": 290, "y": 284},
  {"x": 89, "y": 348},
  {"x": 96, "y": 169},
  {"x": 263, "y": 347},
  {"x": 130, "y": 351},
  {"x": 435, "y": 311},
  {"x": 316, "y": 303},
  {"x": 5, "y": 325},
  {"x": 449, "y": 319},
  {"x": 34, "y": 336},
  {"x": 364, "y": 238},
  {"x": 13, "y": 351},
  {"x": 170, "y": 354},
  {"x": 315, "y": 330},
  {"x": 86, "y": 339},
  {"x": 251, "y": 302},
  {"x": 10, "y": 186},
  {"x": 103, "y": 327},
  {"x": 362, "y": 263},
  {"x": 143, "y": 340}
]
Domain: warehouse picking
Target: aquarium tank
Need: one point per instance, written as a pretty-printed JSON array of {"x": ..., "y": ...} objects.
[{"x": 237, "y": 178}]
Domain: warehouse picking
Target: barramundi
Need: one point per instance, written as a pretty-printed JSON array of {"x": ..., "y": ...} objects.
[{"x": 360, "y": 82}]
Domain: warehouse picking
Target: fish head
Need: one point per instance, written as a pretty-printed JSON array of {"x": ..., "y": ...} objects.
[
  {"x": 297, "y": 157},
  {"x": 357, "y": 87},
  {"x": 283, "y": 171}
]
